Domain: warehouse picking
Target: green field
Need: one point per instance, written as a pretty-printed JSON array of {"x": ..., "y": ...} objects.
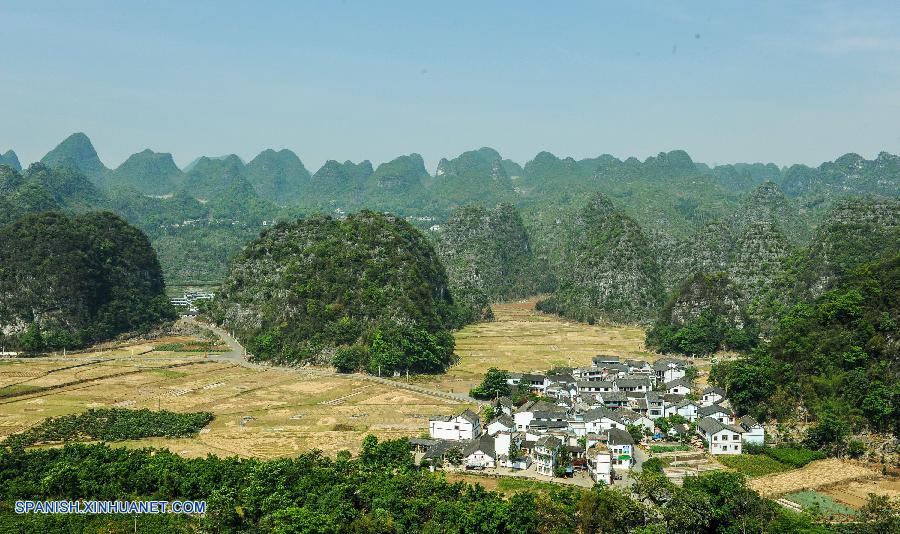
[
  {"x": 819, "y": 503},
  {"x": 753, "y": 465}
]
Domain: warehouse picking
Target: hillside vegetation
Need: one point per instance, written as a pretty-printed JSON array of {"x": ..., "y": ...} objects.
[
  {"x": 836, "y": 356},
  {"x": 66, "y": 282},
  {"x": 365, "y": 292}
]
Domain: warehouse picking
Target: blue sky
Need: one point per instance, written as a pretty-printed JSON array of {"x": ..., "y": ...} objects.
[{"x": 781, "y": 81}]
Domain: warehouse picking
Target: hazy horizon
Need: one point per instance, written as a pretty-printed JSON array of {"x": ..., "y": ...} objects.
[{"x": 726, "y": 82}]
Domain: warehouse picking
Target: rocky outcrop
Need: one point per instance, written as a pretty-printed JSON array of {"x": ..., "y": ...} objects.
[{"x": 609, "y": 272}]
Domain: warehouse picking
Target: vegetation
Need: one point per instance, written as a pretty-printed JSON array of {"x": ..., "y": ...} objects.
[
  {"x": 832, "y": 355},
  {"x": 379, "y": 491},
  {"x": 608, "y": 272},
  {"x": 704, "y": 316},
  {"x": 366, "y": 292},
  {"x": 112, "y": 424},
  {"x": 487, "y": 251},
  {"x": 493, "y": 385},
  {"x": 753, "y": 465},
  {"x": 68, "y": 282}
]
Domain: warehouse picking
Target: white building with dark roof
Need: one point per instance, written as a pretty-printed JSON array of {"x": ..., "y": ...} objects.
[
  {"x": 462, "y": 427},
  {"x": 722, "y": 439}
]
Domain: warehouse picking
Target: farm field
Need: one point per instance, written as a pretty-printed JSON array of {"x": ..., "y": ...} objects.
[
  {"x": 284, "y": 411},
  {"x": 818, "y": 474},
  {"x": 855, "y": 493},
  {"x": 522, "y": 339}
]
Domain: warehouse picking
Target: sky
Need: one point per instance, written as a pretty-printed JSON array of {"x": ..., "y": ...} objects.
[{"x": 726, "y": 81}]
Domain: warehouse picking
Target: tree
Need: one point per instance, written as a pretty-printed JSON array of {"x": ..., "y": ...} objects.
[
  {"x": 563, "y": 462},
  {"x": 454, "y": 455},
  {"x": 688, "y": 512},
  {"x": 493, "y": 385}
]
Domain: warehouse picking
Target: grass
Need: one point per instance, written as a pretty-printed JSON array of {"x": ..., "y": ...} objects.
[
  {"x": 18, "y": 389},
  {"x": 753, "y": 465},
  {"x": 514, "y": 484},
  {"x": 669, "y": 448},
  {"x": 819, "y": 503}
]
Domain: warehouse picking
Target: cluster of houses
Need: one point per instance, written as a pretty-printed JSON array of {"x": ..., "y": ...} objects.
[
  {"x": 188, "y": 302},
  {"x": 579, "y": 419}
]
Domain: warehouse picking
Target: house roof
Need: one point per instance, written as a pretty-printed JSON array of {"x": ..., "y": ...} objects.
[
  {"x": 748, "y": 422},
  {"x": 617, "y": 436},
  {"x": 600, "y": 358},
  {"x": 711, "y": 409},
  {"x": 637, "y": 363},
  {"x": 537, "y": 423},
  {"x": 504, "y": 420},
  {"x": 672, "y": 398},
  {"x": 628, "y": 415},
  {"x": 711, "y": 426},
  {"x": 422, "y": 442},
  {"x": 680, "y": 382},
  {"x": 595, "y": 384},
  {"x": 470, "y": 416},
  {"x": 484, "y": 444},
  {"x": 617, "y": 367},
  {"x": 550, "y": 442},
  {"x": 614, "y": 396},
  {"x": 713, "y": 389},
  {"x": 441, "y": 447},
  {"x": 539, "y": 406},
  {"x": 533, "y": 378},
  {"x": 598, "y": 413},
  {"x": 654, "y": 396},
  {"x": 633, "y": 382},
  {"x": 687, "y": 402}
]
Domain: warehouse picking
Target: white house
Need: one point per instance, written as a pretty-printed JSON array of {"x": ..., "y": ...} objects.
[
  {"x": 754, "y": 432},
  {"x": 480, "y": 453},
  {"x": 502, "y": 446},
  {"x": 545, "y": 453},
  {"x": 722, "y": 439},
  {"x": 633, "y": 418},
  {"x": 668, "y": 370},
  {"x": 680, "y": 386},
  {"x": 633, "y": 385},
  {"x": 655, "y": 405},
  {"x": 504, "y": 423},
  {"x": 599, "y": 463},
  {"x": 712, "y": 395},
  {"x": 621, "y": 447},
  {"x": 720, "y": 414},
  {"x": 686, "y": 408},
  {"x": 465, "y": 426},
  {"x": 600, "y": 420}
]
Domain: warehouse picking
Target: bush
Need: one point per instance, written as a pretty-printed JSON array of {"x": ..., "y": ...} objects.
[
  {"x": 753, "y": 465},
  {"x": 794, "y": 456},
  {"x": 115, "y": 424}
]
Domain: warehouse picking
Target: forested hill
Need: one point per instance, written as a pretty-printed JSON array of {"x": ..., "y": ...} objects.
[
  {"x": 10, "y": 159},
  {"x": 835, "y": 356},
  {"x": 364, "y": 292},
  {"x": 67, "y": 282},
  {"x": 488, "y": 256},
  {"x": 686, "y": 210}
]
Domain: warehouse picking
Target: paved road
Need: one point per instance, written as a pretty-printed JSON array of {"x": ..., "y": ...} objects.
[{"x": 236, "y": 354}]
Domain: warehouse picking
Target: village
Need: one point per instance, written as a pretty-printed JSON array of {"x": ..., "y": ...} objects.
[{"x": 594, "y": 423}]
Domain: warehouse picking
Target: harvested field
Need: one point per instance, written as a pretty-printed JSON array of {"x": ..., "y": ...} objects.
[
  {"x": 260, "y": 412},
  {"x": 855, "y": 493},
  {"x": 816, "y": 475},
  {"x": 522, "y": 339}
]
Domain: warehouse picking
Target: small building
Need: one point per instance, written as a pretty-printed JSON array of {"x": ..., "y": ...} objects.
[
  {"x": 633, "y": 418},
  {"x": 465, "y": 426},
  {"x": 480, "y": 454},
  {"x": 754, "y": 432},
  {"x": 639, "y": 385},
  {"x": 621, "y": 447},
  {"x": 722, "y": 439},
  {"x": 601, "y": 419},
  {"x": 655, "y": 405},
  {"x": 545, "y": 454},
  {"x": 686, "y": 408},
  {"x": 503, "y": 423},
  {"x": 712, "y": 395},
  {"x": 599, "y": 464},
  {"x": 615, "y": 399},
  {"x": 681, "y": 386},
  {"x": 720, "y": 414}
]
